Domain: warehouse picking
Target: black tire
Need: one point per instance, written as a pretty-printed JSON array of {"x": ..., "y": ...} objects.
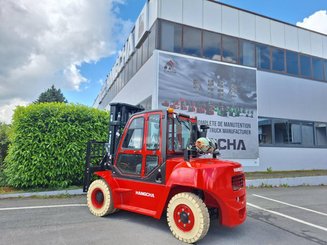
[
  {"x": 99, "y": 198},
  {"x": 188, "y": 217}
]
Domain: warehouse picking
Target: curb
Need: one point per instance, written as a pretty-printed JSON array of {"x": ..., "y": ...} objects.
[
  {"x": 295, "y": 181},
  {"x": 43, "y": 194}
]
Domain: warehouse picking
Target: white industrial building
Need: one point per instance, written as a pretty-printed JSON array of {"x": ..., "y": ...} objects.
[{"x": 261, "y": 84}]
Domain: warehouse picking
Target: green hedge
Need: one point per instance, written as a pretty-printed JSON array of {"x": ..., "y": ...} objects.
[{"x": 49, "y": 142}]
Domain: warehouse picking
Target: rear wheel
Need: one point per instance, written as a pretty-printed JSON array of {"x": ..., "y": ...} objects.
[
  {"x": 188, "y": 217},
  {"x": 99, "y": 198}
]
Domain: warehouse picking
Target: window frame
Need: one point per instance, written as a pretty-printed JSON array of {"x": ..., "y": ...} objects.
[
  {"x": 126, "y": 133},
  {"x": 219, "y": 46},
  {"x": 237, "y": 53},
  {"x": 196, "y": 54},
  {"x": 258, "y": 54},
  {"x": 301, "y": 123},
  {"x": 241, "y": 41},
  {"x": 309, "y": 65}
]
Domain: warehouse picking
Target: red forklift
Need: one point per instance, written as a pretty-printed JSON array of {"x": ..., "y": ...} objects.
[{"x": 153, "y": 165}]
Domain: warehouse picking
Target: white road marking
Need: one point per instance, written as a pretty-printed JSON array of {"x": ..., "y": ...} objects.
[
  {"x": 291, "y": 205},
  {"x": 288, "y": 217},
  {"x": 39, "y": 207}
]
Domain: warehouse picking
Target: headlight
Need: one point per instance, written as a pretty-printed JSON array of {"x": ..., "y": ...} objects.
[{"x": 239, "y": 169}]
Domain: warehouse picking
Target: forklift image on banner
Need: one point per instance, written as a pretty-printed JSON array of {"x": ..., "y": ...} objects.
[{"x": 159, "y": 162}]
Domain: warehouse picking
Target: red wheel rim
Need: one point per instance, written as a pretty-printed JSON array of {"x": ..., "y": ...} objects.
[
  {"x": 97, "y": 198},
  {"x": 184, "y": 217}
]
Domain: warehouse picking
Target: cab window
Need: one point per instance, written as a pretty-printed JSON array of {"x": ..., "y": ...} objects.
[
  {"x": 130, "y": 163},
  {"x": 179, "y": 134},
  {"x": 134, "y": 136},
  {"x": 152, "y": 141},
  {"x": 151, "y": 163}
]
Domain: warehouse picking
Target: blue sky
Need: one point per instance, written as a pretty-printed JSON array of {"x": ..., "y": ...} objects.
[
  {"x": 95, "y": 72},
  {"x": 73, "y": 43},
  {"x": 290, "y": 11}
]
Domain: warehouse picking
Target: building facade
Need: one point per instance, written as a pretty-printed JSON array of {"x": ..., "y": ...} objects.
[{"x": 259, "y": 83}]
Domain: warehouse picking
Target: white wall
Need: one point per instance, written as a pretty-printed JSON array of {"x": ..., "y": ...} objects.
[
  {"x": 279, "y": 158},
  {"x": 231, "y": 21},
  {"x": 247, "y": 25},
  {"x": 282, "y": 96},
  {"x": 212, "y": 18},
  {"x": 153, "y": 12},
  {"x": 141, "y": 86}
]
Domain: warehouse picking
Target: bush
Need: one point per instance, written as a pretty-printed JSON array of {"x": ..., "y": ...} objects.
[{"x": 49, "y": 142}]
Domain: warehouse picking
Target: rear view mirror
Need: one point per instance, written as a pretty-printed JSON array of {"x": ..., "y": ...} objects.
[{"x": 203, "y": 132}]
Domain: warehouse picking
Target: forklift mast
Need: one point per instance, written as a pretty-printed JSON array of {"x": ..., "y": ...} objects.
[{"x": 119, "y": 116}]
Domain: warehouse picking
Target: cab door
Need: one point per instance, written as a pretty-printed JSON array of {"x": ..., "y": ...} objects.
[
  {"x": 130, "y": 150},
  {"x": 137, "y": 163}
]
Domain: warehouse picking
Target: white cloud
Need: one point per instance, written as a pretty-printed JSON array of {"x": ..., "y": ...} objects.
[
  {"x": 7, "y": 110},
  {"x": 45, "y": 42},
  {"x": 73, "y": 75},
  {"x": 316, "y": 22}
]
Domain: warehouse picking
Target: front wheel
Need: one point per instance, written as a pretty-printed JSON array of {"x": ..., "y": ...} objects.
[
  {"x": 188, "y": 217},
  {"x": 99, "y": 198}
]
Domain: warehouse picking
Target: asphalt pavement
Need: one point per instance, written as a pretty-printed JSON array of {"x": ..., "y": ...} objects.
[{"x": 294, "y": 215}]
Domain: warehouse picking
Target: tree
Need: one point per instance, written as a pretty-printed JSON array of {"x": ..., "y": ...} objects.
[{"x": 51, "y": 95}]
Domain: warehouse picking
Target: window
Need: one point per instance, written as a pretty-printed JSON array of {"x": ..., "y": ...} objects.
[
  {"x": 230, "y": 49},
  {"x": 171, "y": 37},
  {"x": 126, "y": 74},
  {"x": 134, "y": 136},
  {"x": 278, "y": 62},
  {"x": 292, "y": 63},
  {"x": 179, "y": 134},
  {"x": 211, "y": 45},
  {"x": 153, "y": 137},
  {"x": 318, "y": 68},
  {"x": 134, "y": 62},
  {"x": 130, "y": 69},
  {"x": 281, "y": 133},
  {"x": 287, "y": 132},
  {"x": 307, "y": 133},
  {"x": 151, "y": 163},
  {"x": 139, "y": 58},
  {"x": 130, "y": 163},
  {"x": 305, "y": 65},
  {"x": 292, "y": 133},
  {"x": 152, "y": 40},
  {"x": 265, "y": 133},
  {"x": 145, "y": 49},
  {"x": 191, "y": 41},
  {"x": 170, "y": 134},
  {"x": 122, "y": 74},
  {"x": 247, "y": 53},
  {"x": 325, "y": 70},
  {"x": 263, "y": 56},
  {"x": 321, "y": 133}
]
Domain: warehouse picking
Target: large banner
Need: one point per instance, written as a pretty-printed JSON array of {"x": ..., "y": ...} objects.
[{"x": 221, "y": 96}]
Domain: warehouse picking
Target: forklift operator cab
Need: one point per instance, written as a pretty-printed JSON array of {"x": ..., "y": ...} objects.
[
  {"x": 135, "y": 152},
  {"x": 141, "y": 150}
]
